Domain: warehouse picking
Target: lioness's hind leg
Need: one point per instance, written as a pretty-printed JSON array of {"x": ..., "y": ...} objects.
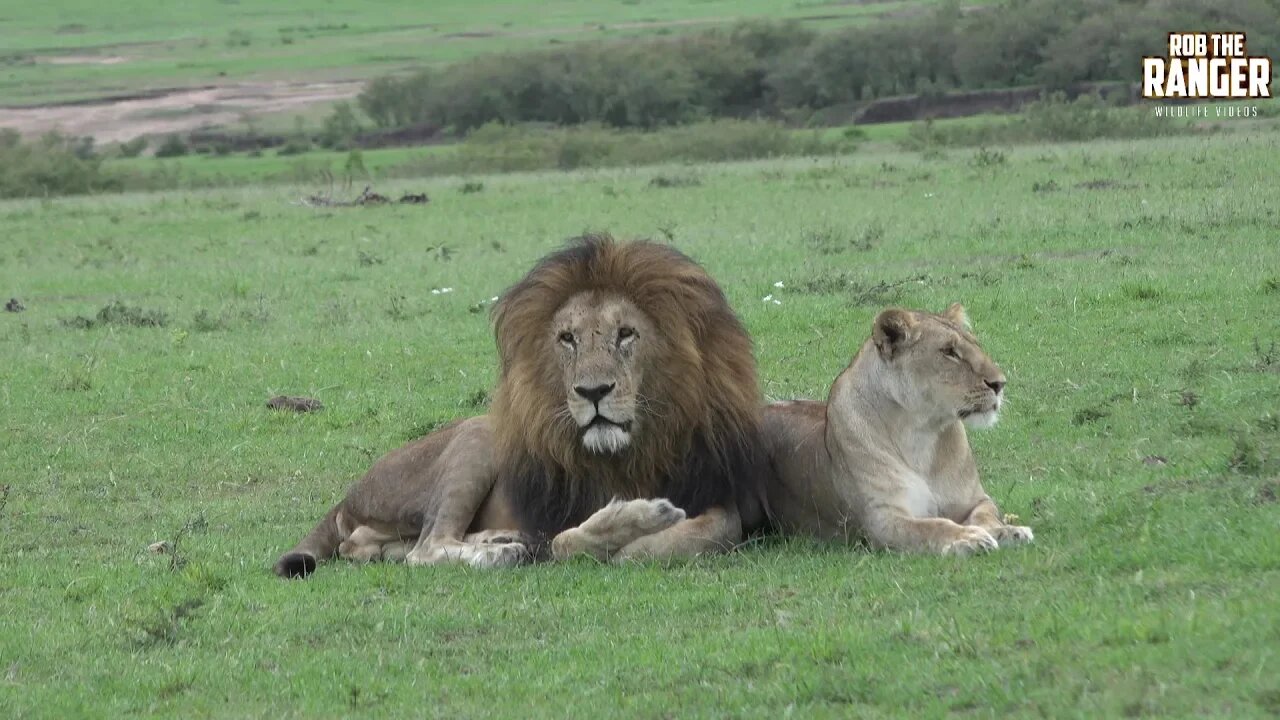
[
  {"x": 615, "y": 526},
  {"x": 987, "y": 517}
]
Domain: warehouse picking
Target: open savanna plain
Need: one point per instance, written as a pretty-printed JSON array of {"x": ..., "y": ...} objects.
[{"x": 1129, "y": 289}]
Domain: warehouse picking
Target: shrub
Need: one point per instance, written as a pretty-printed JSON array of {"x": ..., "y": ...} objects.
[
  {"x": 783, "y": 70},
  {"x": 133, "y": 148},
  {"x": 173, "y": 146},
  {"x": 340, "y": 127},
  {"x": 52, "y": 165}
]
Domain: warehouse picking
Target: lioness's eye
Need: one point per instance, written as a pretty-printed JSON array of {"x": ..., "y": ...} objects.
[
  {"x": 950, "y": 352},
  {"x": 624, "y": 333},
  {"x": 566, "y": 337}
]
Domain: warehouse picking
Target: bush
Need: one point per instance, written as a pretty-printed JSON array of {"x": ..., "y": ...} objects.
[
  {"x": 340, "y": 128},
  {"x": 52, "y": 165},
  {"x": 173, "y": 146},
  {"x": 783, "y": 70},
  {"x": 133, "y": 148}
]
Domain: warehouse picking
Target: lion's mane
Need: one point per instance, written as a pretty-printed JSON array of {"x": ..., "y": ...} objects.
[{"x": 698, "y": 443}]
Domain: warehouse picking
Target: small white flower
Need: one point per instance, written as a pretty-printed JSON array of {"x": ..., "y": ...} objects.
[
  {"x": 446, "y": 290},
  {"x": 493, "y": 299},
  {"x": 928, "y": 195},
  {"x": 434, "y": 291},
  {"x": 779, "y": 284},
  {"x": 777, "y": 302},
  {"x": 767, "y": 298}
]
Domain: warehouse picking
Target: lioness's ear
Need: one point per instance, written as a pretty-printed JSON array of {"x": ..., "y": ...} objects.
[
  {"x": 957, "y": 315},
  {"x": 890, "y": 330}
]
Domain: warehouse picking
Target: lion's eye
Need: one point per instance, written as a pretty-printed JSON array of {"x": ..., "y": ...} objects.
[
  {"x": 950, "y": 351},
  {"x": 624, "y": 333},
  {"x": 566, "y": 337}
]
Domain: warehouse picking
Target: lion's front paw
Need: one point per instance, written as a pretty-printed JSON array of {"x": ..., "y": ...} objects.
[
  {"x": 970, "y": 540},
  {"x": 649, "y": 516},
  {"x": 615, "y": 526},
  {"x": 1013, "y": 535},
  {"x": 627, "y": 520}
]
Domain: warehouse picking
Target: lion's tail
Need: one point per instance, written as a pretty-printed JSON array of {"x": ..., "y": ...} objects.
[{"x": 319, "y": 544}]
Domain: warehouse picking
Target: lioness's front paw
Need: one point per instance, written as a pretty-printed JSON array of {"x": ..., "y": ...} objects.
[
  {"x": 1013, "y": 535},
  {"x": 971, "y": 539}
]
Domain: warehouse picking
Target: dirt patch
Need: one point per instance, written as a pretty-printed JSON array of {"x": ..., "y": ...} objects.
[
  {"x": 82, "y": 60},
  {"x": 174, "y": 110}
]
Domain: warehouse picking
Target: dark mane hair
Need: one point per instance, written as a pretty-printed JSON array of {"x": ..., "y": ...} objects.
[{"x": 699, "y": 445}]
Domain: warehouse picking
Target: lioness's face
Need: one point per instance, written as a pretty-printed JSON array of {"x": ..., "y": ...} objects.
[
  {"x": 947, "y": 371},
  {"x": 601, "y": 341}
]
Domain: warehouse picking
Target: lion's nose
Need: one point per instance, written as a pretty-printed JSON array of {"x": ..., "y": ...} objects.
[
  {"x": 594, "y": 394},
  {"x": 995, "y": 385}
]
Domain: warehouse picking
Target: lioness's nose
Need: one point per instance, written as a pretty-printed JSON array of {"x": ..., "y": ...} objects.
[
  {"x": 995, "y": 385},
  {"x": 594, "y": 394}
]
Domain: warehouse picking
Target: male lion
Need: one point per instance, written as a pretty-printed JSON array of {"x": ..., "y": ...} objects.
[
  {"x": 625, "y": 378},
  {"x": 886, "y": 457}
]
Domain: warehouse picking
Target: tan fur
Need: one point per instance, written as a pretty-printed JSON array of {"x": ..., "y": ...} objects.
[
  {"x": 886, "y": 458},
  {"x": 639, "y": 319}
]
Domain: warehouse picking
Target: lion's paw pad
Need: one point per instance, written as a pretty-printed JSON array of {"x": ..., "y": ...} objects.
[{"x": 972, "y": 540}]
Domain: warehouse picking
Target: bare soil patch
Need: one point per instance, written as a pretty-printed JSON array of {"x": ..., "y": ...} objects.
[{"x": 177, "y": 110}]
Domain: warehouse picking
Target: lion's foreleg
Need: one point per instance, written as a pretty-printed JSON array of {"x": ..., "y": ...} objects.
[
  {"x": 986, "y": 516},
  {"x": 894, "y": 528},
  {"x": 615, "y": 526},
  {"x": 715, "y": 531}
]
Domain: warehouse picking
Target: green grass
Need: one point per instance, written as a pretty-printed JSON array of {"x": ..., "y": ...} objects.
[
  {"x": 211, "y": 41},
  {"x": 1132, "y": 303}
]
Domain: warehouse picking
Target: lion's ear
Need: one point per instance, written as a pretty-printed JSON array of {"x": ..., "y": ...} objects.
[
  {"x": 957, "y": 315},
  {"x": 891, "y": 330}
]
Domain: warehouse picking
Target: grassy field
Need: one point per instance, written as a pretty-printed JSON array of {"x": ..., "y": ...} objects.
[
  {"x": 1130, "y": 291},
  {"x": 80, "y": 49}
]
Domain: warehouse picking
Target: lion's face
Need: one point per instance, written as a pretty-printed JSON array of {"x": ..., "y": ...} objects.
[
  {"x": 942, "y": 370},
  {"x": 601, "y": 343}
]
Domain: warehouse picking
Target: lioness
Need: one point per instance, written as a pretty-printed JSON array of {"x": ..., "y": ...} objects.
[{"x": 886, "y": 457}]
